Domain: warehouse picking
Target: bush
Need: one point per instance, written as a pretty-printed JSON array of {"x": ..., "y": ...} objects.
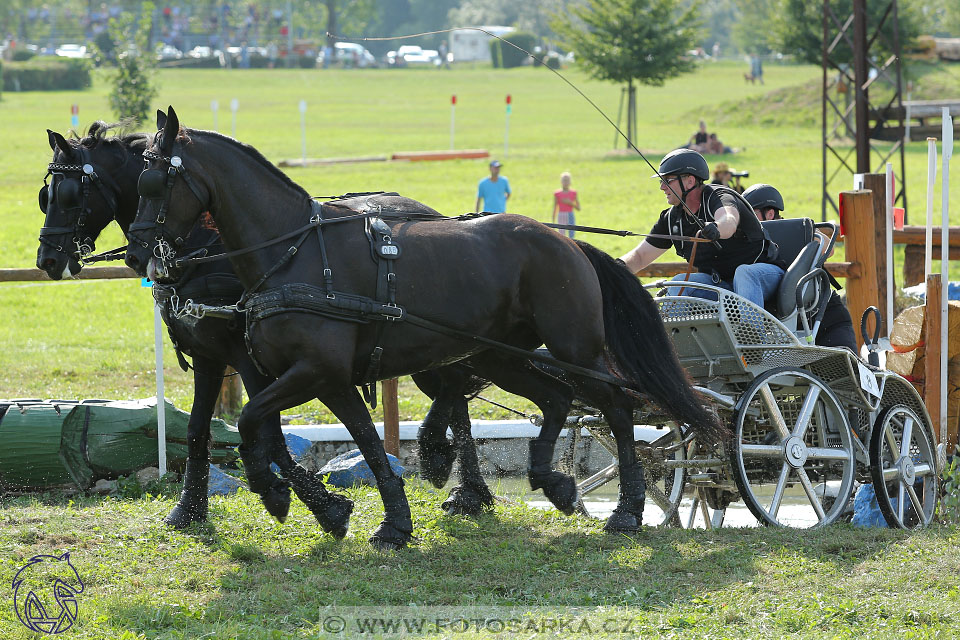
[
  {"x": 496, "y": 54},
  {"x": 22, "y": 55},
  {"x": 47, "y": 74},
  {"x": 511, "y": 56}
]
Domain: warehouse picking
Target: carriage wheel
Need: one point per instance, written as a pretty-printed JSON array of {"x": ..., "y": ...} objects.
[
  {"x": 793, "y": 458},
  {"x": 664, "y": 484},
  {"x": 903, "y": 466}
]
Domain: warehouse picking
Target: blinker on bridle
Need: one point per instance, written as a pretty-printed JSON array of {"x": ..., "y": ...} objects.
[
  {"x": 72, "y": 194},
  {"x": 156, "y": 184}
]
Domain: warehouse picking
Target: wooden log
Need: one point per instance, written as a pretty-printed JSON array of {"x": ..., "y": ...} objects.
[
  {"x": 88, "y": 273},
  {"x": 876, "y": 182},
  {"x": 932, "y": 348},
  {"x": 230, "y": 400},
  {"x": 391, "y": 416},
  {"x": 440, "y": 155},
  {"x": 861, "y": 248},
  {"x": 916, "y": 235}
]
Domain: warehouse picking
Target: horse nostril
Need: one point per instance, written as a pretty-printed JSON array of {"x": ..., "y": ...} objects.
[
  {"x": 132, "y": 261},
  {"x": 48, "y": 264}
]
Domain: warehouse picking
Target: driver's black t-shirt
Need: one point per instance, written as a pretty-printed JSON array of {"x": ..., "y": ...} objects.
[{"x": 746, "y": 246}]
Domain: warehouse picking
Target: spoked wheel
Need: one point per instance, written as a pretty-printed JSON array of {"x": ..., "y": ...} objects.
[
  {"x": 793, "y": 446},
  {"x": 903, "y": 466},
  {"x": 664, "y": 481}
]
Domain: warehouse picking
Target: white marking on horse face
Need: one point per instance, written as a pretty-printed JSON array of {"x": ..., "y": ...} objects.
[
  {"x": 152, "y": 269},
  {"x": 66, "y": 271}
]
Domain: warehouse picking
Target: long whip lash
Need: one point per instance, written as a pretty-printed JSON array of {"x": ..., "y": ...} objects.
[{"x": 555, "y": 72}]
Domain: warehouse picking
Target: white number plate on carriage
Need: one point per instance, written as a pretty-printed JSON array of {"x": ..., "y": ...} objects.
[{"x": 868, "y": 381}]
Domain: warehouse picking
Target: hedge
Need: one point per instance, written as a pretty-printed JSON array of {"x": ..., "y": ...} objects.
[
  {"x": 47, "y": 74},
  {"x": 1, "y": 77},
  {"x": 506, "y": 56}
]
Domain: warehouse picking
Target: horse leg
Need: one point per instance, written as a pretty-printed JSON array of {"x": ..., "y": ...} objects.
[
  {"x": 292, "y": 388},
  {"x": 436, "y": 453},
  {"x": 192, "y": 506},
  {"x": 472, "y": 495},
  {"x": 331, "y": 510},
  {"x": 617, "y": 408},
  {"x": 396, "y": 528},
  {"x": 553, "y": 397}
]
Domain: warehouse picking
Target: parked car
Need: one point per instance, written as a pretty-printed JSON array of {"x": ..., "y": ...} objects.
[
  {"x": 411, "y": 55},
  {"x": 350, "y": 54},
  {"x": 72, "y": 51},
  {"x": 168, "y": 52},
  {"x": 202, "y": 52}
]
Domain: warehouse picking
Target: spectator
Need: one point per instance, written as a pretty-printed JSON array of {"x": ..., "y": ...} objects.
[
  {"x": 565, "y": 200},
  {"x": 756, "y": 68},
  {"x": 699, "y": 139},
  {"x": 443, "y": 53},
  {"x": 494, "y": 191}
]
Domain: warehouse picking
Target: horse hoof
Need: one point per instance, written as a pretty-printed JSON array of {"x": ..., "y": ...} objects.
[
  {"x": 182, "y": 516},
  {"x": 276, "y": 500},
  {"x": 622, "y": 522},
  {"x": 560, "y": 489},
  {"x": 387, "y": 538},
  {"x": 436, "y": 461},
  {"x": 335, "y": 517},
  {"x": 467, "y": 501}
]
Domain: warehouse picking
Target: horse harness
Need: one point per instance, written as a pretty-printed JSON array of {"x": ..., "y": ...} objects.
[
  {"x": 70, "y": 188},
  {"x": 325, "y": 301}
]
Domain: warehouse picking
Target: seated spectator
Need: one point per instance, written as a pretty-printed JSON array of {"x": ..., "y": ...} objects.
[{"x": 698, "y": 140}]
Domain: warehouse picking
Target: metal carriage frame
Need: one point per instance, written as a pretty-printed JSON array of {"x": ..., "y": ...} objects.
[{"x": 809, "y": 423}]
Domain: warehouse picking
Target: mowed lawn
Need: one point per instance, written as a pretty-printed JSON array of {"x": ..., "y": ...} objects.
[
  {"x": 95, "y": 339},
  {"x": 244, "y": 576}
]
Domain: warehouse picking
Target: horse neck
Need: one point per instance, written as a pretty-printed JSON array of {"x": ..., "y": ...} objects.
[
  {"x": 124, "y": 177},
  {"x": 251, "y": 206}
]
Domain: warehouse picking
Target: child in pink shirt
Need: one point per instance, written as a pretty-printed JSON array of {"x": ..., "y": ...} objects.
[{"x": 565, "y": 200}]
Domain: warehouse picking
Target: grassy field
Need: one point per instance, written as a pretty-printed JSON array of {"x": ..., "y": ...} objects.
[
  {"x": 244, "y": 576},
  {"x": 94, "y": 339}
]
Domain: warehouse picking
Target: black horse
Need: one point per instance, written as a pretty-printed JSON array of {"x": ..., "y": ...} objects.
[
  {"x": 314, "y": 316},
  {"x": 82, "y": 205},
  {"x": 93, "y": 181}
]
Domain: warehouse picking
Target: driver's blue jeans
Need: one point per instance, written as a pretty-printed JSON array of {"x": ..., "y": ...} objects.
[{"x": 755, "y": 282}]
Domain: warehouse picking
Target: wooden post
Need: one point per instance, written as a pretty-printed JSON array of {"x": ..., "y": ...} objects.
[
  {"x": 861, "y": 248},
  {"x": 877, "y": 183},
  {"x": 931, "y": 382},
  {"x": 391, "y": 416},
  {"x": 230, "y": 401}
]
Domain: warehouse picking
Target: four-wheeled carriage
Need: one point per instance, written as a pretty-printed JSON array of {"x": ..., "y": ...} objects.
[{"x": 808, "y": 422}]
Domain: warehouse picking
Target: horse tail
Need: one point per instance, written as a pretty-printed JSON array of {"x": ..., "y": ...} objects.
[{"x": 642, "y": 352}]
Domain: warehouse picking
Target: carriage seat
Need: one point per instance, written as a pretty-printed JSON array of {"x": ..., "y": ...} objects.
[{"x": 800, "y": 250}]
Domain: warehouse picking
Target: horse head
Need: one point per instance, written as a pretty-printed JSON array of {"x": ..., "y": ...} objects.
[
  {"x": 171, "y": 202},
  {"x": 45, "y": 593},
  {"x": 83, "y": 191}
]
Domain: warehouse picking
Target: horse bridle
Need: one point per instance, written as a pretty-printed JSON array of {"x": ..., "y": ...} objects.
[
  {"x": 73, "y": 202},
  {"x": 156, "y": 184}
]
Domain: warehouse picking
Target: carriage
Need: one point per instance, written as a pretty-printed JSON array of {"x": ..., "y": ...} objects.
[{"x": 809, "y": 423}]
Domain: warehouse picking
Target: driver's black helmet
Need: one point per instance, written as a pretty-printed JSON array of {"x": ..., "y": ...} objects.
[
  {"x": 684, "y": 162},
  {"x": 763, "y": 196}
]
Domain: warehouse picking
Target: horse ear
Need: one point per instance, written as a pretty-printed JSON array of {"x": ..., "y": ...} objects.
[
  {"x": 161, "y": 119},
  {"x": 57, "y": 141},
  {"x": 171, "y": 129}
]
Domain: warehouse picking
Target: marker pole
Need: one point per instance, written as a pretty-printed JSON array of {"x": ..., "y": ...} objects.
[
  {"x": 453, "y": 111},
  {"x": 506, "y": 130}
]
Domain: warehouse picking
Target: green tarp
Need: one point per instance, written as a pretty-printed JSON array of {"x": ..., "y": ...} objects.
[{"x": 48, "y": 444}]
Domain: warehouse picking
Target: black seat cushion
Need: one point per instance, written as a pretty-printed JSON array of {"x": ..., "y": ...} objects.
[
  {"x": 804, "y": 263},
  {"x": 791, "y": 236}
]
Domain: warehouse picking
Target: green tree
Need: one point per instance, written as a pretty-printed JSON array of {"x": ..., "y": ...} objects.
[
  {"x": 133, "y": 78},
  {"x": 631, "y": 41},
  {"x": 752, "y": 29},
  {"x": 797, "y": 27}
]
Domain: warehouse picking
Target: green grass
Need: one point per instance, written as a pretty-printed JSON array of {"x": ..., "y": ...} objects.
[
  {"x": 95, "y": 339},
  {"x": 242, "y": 575}
]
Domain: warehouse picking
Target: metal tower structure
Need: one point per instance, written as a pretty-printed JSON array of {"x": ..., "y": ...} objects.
[{"x": 860, "y": 130}]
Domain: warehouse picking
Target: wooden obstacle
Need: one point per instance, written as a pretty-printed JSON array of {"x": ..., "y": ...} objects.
[{"x": 411, "y": 156}]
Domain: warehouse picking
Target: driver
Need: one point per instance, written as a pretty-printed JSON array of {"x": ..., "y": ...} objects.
[
  {"x": 741, "y": 257},
  {"x": 836, "y": 327}
]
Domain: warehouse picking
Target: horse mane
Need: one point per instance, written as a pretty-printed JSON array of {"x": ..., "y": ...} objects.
[
  {"x": 114, "y": 136},
  {"x": 247, "y": 149}
]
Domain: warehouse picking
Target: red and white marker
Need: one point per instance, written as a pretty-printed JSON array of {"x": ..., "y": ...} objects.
[{"x": 453, "y": 109}]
